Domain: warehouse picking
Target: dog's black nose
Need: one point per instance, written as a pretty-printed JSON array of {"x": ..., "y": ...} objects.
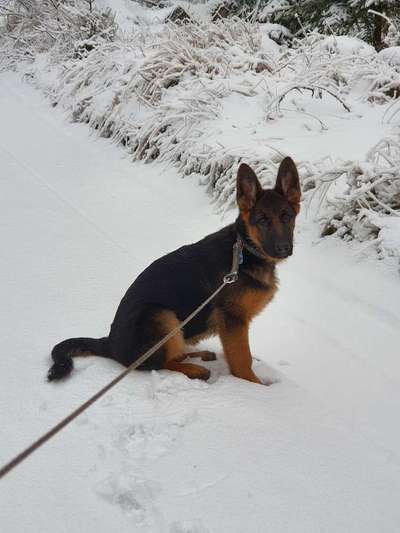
[{"x": 284, "y": 249}]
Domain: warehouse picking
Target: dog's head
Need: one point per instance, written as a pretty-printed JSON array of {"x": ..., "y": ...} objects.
[{"x": 269, "y": 215}]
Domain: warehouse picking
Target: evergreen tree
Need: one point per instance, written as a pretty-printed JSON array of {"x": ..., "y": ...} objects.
[{"x": 353, "y": 17}]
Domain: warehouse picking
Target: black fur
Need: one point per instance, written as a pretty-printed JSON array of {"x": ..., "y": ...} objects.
[
  {"x": 63, "y": 352},
  {"x": 178, "y": 281}
]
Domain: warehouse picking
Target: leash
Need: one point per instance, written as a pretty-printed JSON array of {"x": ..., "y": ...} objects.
[{"x": 231, "y": 277}]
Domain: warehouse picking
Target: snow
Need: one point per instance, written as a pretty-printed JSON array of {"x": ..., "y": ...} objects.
[
  {"x": 316, "y": 451},
  {"x": 202, "y": 96},
  {"x": 267, "y": 44},
  {"x": 277, "y": 32},
  {"x": 389, "y": 234},
  {"x": 129, "y": 13},
  {"x": 271, "y": 8},
  {"x": 345, "y": 45},
  {"x": 297, "y": 131},
  {"x": 391, "y": 55}
]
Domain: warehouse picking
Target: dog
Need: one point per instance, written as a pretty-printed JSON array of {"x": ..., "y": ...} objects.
[{"x": 169, "y": 289}]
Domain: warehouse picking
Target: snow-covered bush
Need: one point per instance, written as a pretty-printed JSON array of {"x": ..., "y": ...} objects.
[
  {"x": 70, "y": 27},
  {"x": 374, "y": 21},
  {"x": 153, "y": 92},
  {"x": 278, "y": 33},
  {"x": 204, "y": 95},
  {"x": 360, "y": 210},
  {"x": 391, "y": 55}
]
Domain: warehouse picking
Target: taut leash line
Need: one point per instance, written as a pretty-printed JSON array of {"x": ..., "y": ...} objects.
[{"x": 228, "y": 279}]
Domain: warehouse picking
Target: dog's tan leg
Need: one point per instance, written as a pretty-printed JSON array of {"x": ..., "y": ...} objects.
[
  {"x": 190, "y": 370},
  {"x": 175, "y": 349},
  {"x": 234, "y": 335}
]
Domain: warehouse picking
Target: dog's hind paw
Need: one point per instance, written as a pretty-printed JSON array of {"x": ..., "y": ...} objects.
[{"x": 205, "y": 355}]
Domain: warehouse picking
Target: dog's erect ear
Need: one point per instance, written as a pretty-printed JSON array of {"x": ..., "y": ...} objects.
[
  {"x": 248, "y": 188},
  {"x": 288, "y": 183}
]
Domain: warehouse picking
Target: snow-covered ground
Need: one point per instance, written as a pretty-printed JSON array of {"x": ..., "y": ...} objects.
[{"x": 318, "y": 451}]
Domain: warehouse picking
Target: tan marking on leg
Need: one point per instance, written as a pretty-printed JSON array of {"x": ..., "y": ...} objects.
[
  {"x": 190, "y": 370},
  {"x": 175, "y": 349},
  {"x": 235, "y": 341}
]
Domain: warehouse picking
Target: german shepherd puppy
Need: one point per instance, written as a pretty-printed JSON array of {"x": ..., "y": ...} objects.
[{"x": 173, "y": 286}]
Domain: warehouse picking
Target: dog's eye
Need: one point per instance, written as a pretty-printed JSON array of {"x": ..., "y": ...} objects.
[
  {"x": 265, "y": 221},
  {"x": 285, "y": 217}
]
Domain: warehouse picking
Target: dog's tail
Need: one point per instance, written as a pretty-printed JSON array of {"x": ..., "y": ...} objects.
[{"x": 63, "y": 353}]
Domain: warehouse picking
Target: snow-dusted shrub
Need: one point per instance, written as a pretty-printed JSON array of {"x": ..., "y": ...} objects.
[
  {"x": 336, "y": 66},
  {"x": 374, "y": 21},
  {"x": 223, "y": 8},
  {"x": 70, "y": 27},
  {"x": 166, "y": 59},
  {"x": 178, "y": 15},
  {"x": 392, "y": 37},
  {"x": 384, "y": 81},
  {"x": 391, "y": 56},
  {"x": 154, "y": 91},
  {"x": 278, "y": 33},
  {"x": 203, "y": 96},
  {"x": 193, "y": 50},
  {"x": 345, "y": 45},
  {"x": 367, "y": 194},
  {"x": 273, "y": 7},
  {"x": 322, "y": 70}
]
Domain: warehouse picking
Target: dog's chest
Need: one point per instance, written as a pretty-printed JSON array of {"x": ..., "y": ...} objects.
[{"x": 253, "y": 299}]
